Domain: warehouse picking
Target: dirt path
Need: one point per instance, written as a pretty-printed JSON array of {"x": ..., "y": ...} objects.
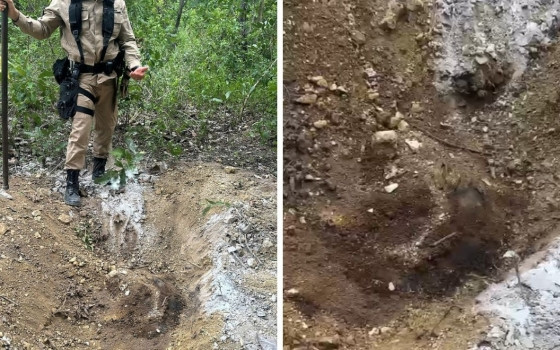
[
  {"x": 369, "y": 264},
  {"x": 154, "y": 267}
]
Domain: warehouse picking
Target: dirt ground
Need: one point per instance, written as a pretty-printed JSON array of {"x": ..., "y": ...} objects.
[
  {"x": 368, "y": 265},
  {"x": 184, "y": 258}
]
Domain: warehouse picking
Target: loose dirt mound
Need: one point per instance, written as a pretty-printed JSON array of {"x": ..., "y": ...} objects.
[
  {"x": 402, "y": 200},
  {"x": 142, "y": 268}
]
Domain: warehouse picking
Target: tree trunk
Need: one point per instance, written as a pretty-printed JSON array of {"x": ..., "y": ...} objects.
[
  {"x": 179, "y": 14},
  {"x": 260, "y": 12},
  {"x": 243, "y": 24}
]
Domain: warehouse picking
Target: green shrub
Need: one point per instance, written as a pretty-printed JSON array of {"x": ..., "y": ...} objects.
[{"x": 207, "y": 66}]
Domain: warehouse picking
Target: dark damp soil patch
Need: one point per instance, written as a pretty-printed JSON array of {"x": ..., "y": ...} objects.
[
  {"x": 152, "y": 307},
  {"x": 381, "y": 247}
]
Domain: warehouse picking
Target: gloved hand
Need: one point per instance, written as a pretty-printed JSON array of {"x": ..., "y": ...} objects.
[
  {"x": 13, "y": 13},
  {"x": 138, "y": 73}
]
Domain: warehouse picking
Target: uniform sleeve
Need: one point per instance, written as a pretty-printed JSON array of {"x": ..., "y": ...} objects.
[
  {"x": 43, "y": 27},
  {"x": 127, "y": 41}
]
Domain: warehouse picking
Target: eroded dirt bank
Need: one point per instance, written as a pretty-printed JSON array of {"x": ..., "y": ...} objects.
[
  {"x": 420, "y": 146},
  {"x": 184, "y": 259}
]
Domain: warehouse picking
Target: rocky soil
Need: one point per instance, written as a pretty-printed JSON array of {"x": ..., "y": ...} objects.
[
  {"x": 184, "y": 257},
  {"x": 420, "y": 145}
]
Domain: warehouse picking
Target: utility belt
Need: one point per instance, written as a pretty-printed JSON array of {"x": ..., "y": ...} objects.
[
  {"x": 67, "y": 73},
  {"x": 102, "y": 67},
  {"x": 116, "y": 65}
]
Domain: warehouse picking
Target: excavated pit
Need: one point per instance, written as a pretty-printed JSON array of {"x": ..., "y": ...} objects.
[
  {"x": 148, "y": 266},
  {"x": 476, "y": 83},
  {"x": 401, "y": 251},
  {"x": 176, "y": 263}
]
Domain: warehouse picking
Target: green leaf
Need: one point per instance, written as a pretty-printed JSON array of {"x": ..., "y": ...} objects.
[
  {"x": 109, "y": 176},
  {"x": 122, "y": 174},
  {"x": 118, "y": 152},
  {"x": 175, "y": 150},
  {"x": 130, "y": 144},
  {"x": 206, "y": 210}
]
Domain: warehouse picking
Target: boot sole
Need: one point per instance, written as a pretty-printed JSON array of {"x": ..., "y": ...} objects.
[{"x": 71, "y": 203}]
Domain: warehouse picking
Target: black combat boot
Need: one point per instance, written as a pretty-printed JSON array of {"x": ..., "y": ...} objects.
[
  {"x": 72, "y": 194},
  {"x": 98, "y": 167}
]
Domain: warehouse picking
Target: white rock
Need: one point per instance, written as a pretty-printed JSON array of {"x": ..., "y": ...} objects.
[
  {"x": 496, "y": 333},
  {"x": 391, "y": 188},
  {"x": 369, "y": 73},
  {"x": 342, "y": 89},
  {"x": 6, "y": 195},
  {"x": 391, "y": 287},
  {"x": 323, "y": 83},
  {"x": 385, "y": 137},
  {"x": 403, "y": 126},
  {"x": 320, "y": 124},
  {"x": 394, "y": 122},
  {"x": 414, "y": 145},
  {"x": 292, "y": 292},
  {"x": 510, "y": 254},
  {"x": 307, "y": 99},
  {"x": 385, "y": 330},
  {"x": 482, "y": 60},
  {"x": 267, "y": 244},
  {"x": 65, "y": 219},
  {"x": 416, "y": 107}
]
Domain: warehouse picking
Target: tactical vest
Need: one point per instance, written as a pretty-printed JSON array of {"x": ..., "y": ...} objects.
[
  {"x": 75, "y": 12},
  {"x": 69, "y": 84}
]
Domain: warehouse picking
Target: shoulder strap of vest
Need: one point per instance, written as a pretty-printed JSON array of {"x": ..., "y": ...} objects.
[
  {"x": 75, "y": 16},
  {"x": 108, "y": 24}
]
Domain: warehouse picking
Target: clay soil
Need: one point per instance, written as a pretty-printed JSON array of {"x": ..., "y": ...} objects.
[
  {"x": 367, "y": 269},
  {"x": 67, "y": 283}
]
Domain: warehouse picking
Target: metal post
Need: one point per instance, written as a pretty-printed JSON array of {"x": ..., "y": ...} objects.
[{"x": 5, "y": 97}]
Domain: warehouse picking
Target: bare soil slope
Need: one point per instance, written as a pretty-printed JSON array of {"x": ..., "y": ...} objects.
[
  {"x": 369, "y": 264},
  {"x": 145, "y": 268}
]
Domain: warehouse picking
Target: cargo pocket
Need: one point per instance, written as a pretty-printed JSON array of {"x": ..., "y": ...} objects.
[
  {"x": 119, "y": 19},
  {"x": 85, "y": 19}
]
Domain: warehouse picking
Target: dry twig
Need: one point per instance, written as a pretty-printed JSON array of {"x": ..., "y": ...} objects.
[
  {"x": 439, "y": 241},
  {"x": 195, "y": 265},
  {"x": 8, "y": 300},
  {"x": 449, "y": 144}
]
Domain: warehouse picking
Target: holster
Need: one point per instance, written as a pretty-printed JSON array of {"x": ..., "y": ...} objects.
[
  {"x": 123, "y": 87},
  {"x": 118, "y": 64},
  {"x": 68, "y": 98},
  {"x": 61, "y": 69}
]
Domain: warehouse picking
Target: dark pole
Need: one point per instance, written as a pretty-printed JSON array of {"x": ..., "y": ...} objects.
[{"x": 5, "y": 97}]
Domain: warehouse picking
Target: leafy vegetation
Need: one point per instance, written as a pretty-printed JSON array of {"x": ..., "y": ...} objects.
[
  {"x": 211, "y": 62},
  {"x": 84, "y": 233},
  {"x": 126, "y": 162},
  {"x": 213, "y": 204}
]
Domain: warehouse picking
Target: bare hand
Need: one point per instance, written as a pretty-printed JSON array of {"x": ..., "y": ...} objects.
[
  {"x": 13, "y": 13},
  {"x": 138, "y": 73}
]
